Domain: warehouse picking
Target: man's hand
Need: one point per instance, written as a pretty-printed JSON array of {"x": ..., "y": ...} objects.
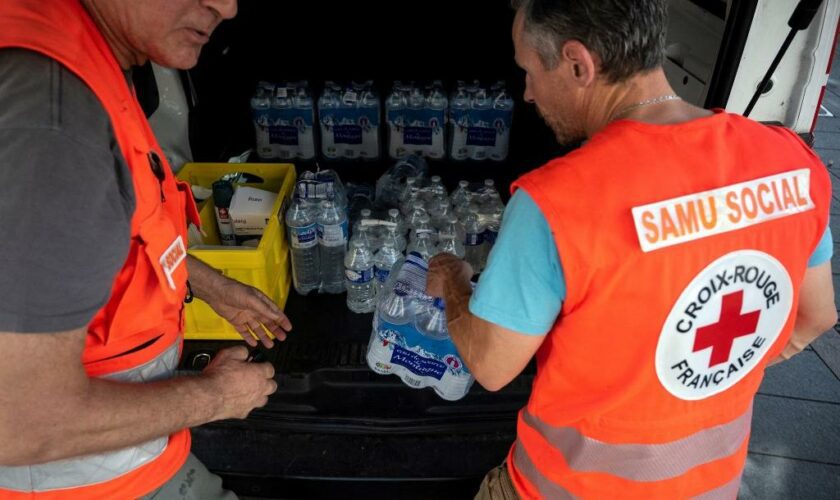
[
  {"x": 249, "y": 310},
  {"x": 241, "y": 386},
  {"x": 245, "y": 307},
  {"x": 444, "y": 269}
]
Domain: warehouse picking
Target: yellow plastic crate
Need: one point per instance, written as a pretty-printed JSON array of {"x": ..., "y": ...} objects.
[{"x": 265, "y": 267}]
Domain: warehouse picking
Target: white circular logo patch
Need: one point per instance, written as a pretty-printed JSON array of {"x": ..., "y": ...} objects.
[{"x": 723, "y": 324}]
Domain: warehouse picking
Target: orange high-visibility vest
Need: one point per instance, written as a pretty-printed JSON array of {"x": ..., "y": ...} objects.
[
  {"x": 683, "y": 249},
  {"x": 146, "y": 302}
]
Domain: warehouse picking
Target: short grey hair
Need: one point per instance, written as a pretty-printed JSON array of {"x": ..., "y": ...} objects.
[{"x": 627, "y": 35}]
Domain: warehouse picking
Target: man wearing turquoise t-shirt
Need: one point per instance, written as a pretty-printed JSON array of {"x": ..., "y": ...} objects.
[{"x": 581, "y": 78}]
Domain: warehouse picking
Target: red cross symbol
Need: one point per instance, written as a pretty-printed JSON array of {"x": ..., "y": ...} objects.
[{"x": 732, "y": 324}]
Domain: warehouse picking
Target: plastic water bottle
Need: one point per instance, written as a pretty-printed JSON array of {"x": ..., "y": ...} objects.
[
  {"x": 396, "y": 307},
  {"x": 396, "y": 237},
  {"x": 418, "y": 210},
  {"x": 436, "y": 187},
  {"x": 474, "y": 241},
  {"x": 459, "y": 125},
  {"x": 280, "y": 107},
  {"x": 423, "y": 245},
  {"x": 260, "y": 113},
  {"x": 369, "y": 108},
  {"x": 396, "y": 218},
  {"x": 395, "y": 110},
  {"x": 423, "y": 226},
  {"x": 503, "y": 104},
  {"x": 306, "y": 134},
  {"x": 437, "y": 104},
  {"x": 461, "y": 194},
  {"x": 358, "y": 269},
  {"x": 450, "y": 243},
  {"x": 481, "y": 103},
  {"x": 302, "y": 230},
  {"x": 327, "y": 110},
  {"x": 491, "y": 232},
  {"x": 489, "y": 188},
  {"x": 440, "y": 212},
  {"x": 384, "y": 261},
  {"x": 332, "y": 242},
  {"x": 454, "y": 226},
  {"x": 430, "y": 320}
]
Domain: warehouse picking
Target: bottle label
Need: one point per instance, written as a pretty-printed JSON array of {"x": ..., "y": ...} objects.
[
  {"x": 418, "y": 136},
  {"x": 481, "y": 136},
  {"x": 382, "y": 274},
  {"x": 304, "y": 237},
  {"x": 490, "y": 236},
  {"x": 359, "y": 277},
  {"x": 333, "y": 235},
  {"x": 418, "y": 365},
  {"x": 474, "y": 239},
  {"x": 283, "y": 135},
  {"x": 348, "y": 134}
]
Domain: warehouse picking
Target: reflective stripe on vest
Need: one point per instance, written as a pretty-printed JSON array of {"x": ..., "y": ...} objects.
[
  {"x": 101, "y": 467},
  {"x": 632, "y": 462}
]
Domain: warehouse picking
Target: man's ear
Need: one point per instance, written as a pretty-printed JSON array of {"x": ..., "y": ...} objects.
[{"x": 578, "y": 62}]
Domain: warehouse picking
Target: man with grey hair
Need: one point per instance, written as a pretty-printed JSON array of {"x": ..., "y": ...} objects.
[
  {"x": 655, "y": 272},
  {"x": 95, "y": 266}
]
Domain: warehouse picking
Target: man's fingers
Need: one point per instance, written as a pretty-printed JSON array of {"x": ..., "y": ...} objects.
[
  {"x": 259, "y": 332},
  {"x": 274, "y": 312}
]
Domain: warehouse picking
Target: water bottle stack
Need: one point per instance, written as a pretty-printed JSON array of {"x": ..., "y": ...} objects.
[{"x": 410, "y": 337}]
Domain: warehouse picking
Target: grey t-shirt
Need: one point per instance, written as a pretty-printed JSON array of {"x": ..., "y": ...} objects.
[{"x": 66, "y": 197}]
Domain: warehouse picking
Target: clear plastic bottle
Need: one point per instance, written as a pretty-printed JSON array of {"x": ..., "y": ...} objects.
[
  {"x": 461, "y": 194},
  {"x": 396, "y": 307},
  {"x": 302, "y": 230},
  {"x": 423, "y": 226},
  {"x": 396, "y": 218},
  {"x": 396, "y": 237},
  {"x": 481, "y": 103},
  {"x": 450, "y": 243},
  {"x": 430, "y": 320},
  {"x": 418, "y": 210},
  {"x": 384, "y": 261},
  {"x": 436, "y": 187},
  {"x": 440, "y": 212},
  {"x": 423, "y": 245},
  {"x": 332, "y": 244},
  {"x": 261, "y": 116},
  {"x": 459, "y": 125},
  {"x": 358, "y": 271},
  {"x": 474, "y": 241},
  {"x": 306, "y": 134}
]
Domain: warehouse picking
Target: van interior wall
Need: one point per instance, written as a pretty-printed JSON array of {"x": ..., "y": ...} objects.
[{"x": 320, "y": 40}]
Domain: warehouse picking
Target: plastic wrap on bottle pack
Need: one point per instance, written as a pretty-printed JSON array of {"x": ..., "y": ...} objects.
[{"x": 409, "y": 337}]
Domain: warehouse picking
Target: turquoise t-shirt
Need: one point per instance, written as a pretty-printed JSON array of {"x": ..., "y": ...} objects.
[{"x": 523, "y": 288}]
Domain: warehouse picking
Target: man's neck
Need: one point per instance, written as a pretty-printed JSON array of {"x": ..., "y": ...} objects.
[
  {"x": 126, "y": 57},
  {"x": 644, "y": 97}
]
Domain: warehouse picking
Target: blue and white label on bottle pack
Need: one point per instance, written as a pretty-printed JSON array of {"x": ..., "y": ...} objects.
[
  {"x": 474, "y": 239},
  {"x": 424, "y": 367},
  {"x": 347, "y": 134},
  {"x": 481, "y": 136},
  {"x": 283, "y": 135},
  {"x": 418, "y": 136},
  {"x": 333, "y": 235},
  {"x": 359, "y": 277},
  {"x": 304, "y": 237}
]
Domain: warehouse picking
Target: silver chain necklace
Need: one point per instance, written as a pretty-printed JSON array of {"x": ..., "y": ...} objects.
[{"x": 648, "y": 102}]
